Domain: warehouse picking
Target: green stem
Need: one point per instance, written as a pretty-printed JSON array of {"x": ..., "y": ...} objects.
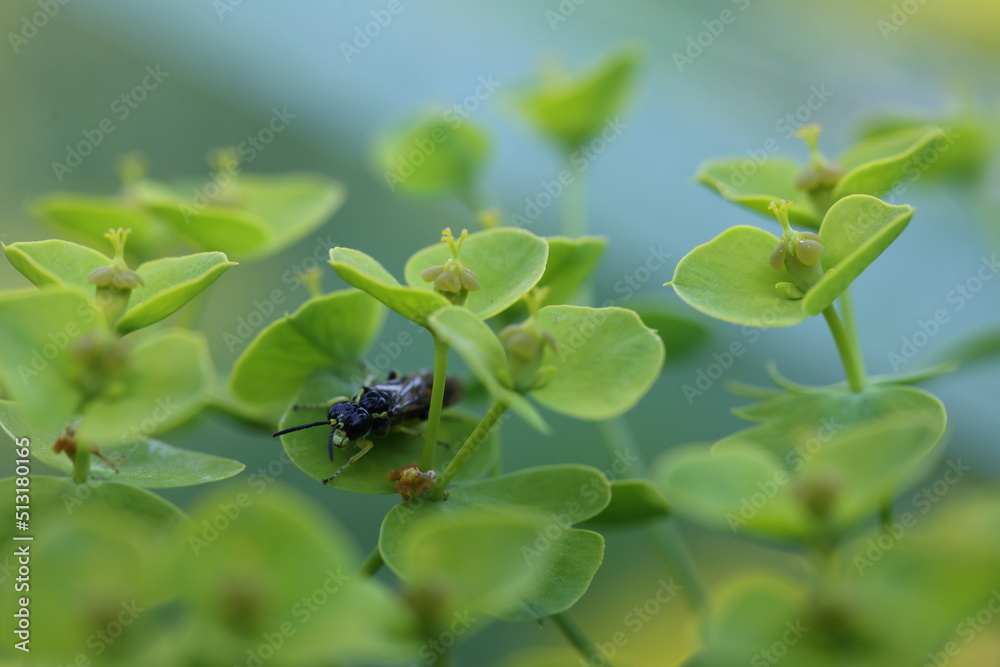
[
  {"x": 573, "y": 211},
  {"x": 850, "y": 355},
  {"x": 373, "y": 563},
  {"x": 437, "y": 399},
  {"x": 578, "y": 638},
  {"x": 885, "y": 514},
  {"x": 670, "y": 545},
  {"x": 81, "y": 464},
  {"x": 619, "y": 441},
  {"x": 469, "y": 447}
]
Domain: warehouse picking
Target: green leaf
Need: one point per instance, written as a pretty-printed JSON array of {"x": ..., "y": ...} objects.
[
  {"x": 964, "y": 156},
  {"x": 255, "y": 216},
  {"x": 475, "y": 555},
  {"x": 363, "y": 272},
  {"x": 736, "y": 488},
  {"x": 433, "y": 155},
  {"x": 290, "y": 205},
  {"x": 982, "y": 347},
  {"x": 154, "y": 393},
  {"x": 855, "y": 231},
  {"x": 606, "y": 360},
  {"x": 791, "y": 423},
  {"x": 730, "y": 279},
  {"x": 877, "y": 164},
  {"x": 570, "y": 265},
  {"x": 308, "y": 449},
  {"x": 334, "y": 330},
  {"x": 508, "y": 262},
  {"x": 753, "y": 184},
  {"x": 485, "y": 356},
  {"x": 89, "y": 218},
  {"x": 237, "y": 233},
  {"x": 90, "y": 576},
  {"x": 633, "y": 501},
  {"x": 572, "y": 110},
  {"x": 152, "y": 464},
  {"x": 37, "y": 362},
  {"x": 564, "y": 557},
  {"x": 55, "y": 500},
  {"x": 55, "y": 262},
  {"x": 241, "y": 586},
  {"x": 170, "y": 283},
  {"x": 680, "y": 335}
]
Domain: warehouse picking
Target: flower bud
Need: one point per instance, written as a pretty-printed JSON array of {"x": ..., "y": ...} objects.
[{"x": 808, "y": 251}]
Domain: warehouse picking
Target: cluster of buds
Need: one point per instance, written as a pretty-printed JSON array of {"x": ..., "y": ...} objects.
[
  {"x": 799, "y": 252},
  {"x": 820, "y": 176},
  {"x": 526, "y": 343},
  {"x": 115, "y": 281},
  {"x": 452, "y": 279},
  {"x": 409, "y": 481}
]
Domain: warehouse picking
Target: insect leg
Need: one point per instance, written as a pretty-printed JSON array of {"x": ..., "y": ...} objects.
[{"x": 365, "y": 445}]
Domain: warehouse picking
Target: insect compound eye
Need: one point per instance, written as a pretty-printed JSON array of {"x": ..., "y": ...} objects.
[
  {"x": 355, "y": 420},
  {"x": 375, "y": 401}
]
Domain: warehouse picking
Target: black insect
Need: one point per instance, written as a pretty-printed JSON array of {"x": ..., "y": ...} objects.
[{"x": 376, "y": 409}]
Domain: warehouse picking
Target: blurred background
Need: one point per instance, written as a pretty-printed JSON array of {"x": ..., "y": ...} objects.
[{"x": 224, "y": 66}]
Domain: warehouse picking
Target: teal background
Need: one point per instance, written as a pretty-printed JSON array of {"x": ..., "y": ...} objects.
[{"x": 229, "y": 70}]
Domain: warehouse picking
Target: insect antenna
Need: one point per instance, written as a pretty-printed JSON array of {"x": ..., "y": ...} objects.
[{"x": 299, "y": 428}]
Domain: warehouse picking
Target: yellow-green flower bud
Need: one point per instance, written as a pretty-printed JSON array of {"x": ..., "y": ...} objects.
[
  {"x": 115, "y": 281},
  {"x": 452, "y": 279},
  {"x": 789, "y": 291}
]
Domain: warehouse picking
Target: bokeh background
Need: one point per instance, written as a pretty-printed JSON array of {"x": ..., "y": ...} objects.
[{"x": 230, "y": 62}]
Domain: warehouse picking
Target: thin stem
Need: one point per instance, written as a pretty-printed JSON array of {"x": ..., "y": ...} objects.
[
  {"x": 437, "y": 399},
  {"x": 575, "y": 635},
  {"x": 81, "y": 464},
  {"x": 850, "y": 323},
  {"x": 671, "y": 547},
  {"x": 619, "y": 443},
  {"x": 885, "y": 514},
  {"x": 469, "y": 447},
  {"x": 850, "y": 355},
  {"x": 573, "y": 211},
  {"x": 373, "y": 563}
]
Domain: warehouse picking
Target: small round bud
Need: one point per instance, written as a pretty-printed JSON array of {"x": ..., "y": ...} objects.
[
  {"x": 448, "y": 281},
  {"x": 808, "y": 251},
  {"x": 777, "y": 259},
  {"x": 789, "y": 291},
  {"x": 431, "y": 272},
  {"x": 469, "y": 280}
]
